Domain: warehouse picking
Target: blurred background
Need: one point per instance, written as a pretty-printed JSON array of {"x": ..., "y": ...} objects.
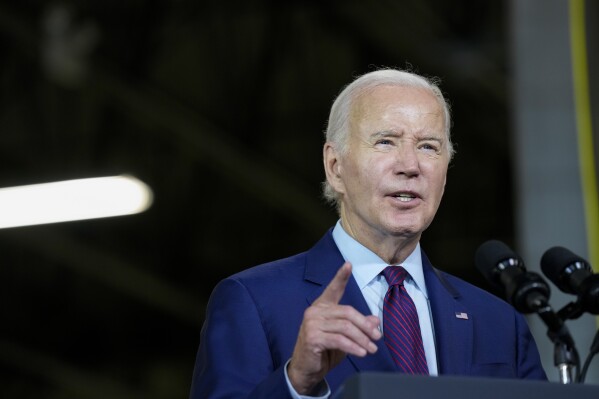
[{"x": 220, "y": 108}]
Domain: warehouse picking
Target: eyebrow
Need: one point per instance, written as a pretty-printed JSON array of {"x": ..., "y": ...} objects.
[
  {"x": 385, "y": 133},
  {"x": 393, "y": 133}
]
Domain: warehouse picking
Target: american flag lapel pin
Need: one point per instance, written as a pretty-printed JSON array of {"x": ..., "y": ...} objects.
[{"x": 461, "y": 315}]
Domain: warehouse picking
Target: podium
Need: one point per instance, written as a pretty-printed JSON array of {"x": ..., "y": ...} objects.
[{"x": 400, "y": 386}]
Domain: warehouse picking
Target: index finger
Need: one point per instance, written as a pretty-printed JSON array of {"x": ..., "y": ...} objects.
[{"x": 334, "y": 291}]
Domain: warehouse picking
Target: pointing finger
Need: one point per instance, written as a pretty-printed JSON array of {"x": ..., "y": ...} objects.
[{"x": 334, "y": 291}]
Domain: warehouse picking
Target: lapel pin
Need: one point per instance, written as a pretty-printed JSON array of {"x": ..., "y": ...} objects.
[{"x": 461, "y": 315}]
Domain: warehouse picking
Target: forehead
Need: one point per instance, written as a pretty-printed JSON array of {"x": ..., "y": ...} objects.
[{"x": 398, "y": 105}]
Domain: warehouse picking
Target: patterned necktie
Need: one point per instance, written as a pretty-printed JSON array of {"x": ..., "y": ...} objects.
[{"x": 400, "y": 324}]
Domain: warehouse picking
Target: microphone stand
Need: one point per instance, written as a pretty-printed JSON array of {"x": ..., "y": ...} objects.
[
  {"x": 565, "y": 355},
  {"x": 574, "y": 310}
]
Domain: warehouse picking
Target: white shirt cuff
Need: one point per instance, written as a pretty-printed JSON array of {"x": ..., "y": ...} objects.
[{"x": 323, "y": 391}]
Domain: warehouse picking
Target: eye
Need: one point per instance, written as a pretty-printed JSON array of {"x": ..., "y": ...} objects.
[
  {"x": 430, "y": 146},
  {"x": 383, "y": 142}
]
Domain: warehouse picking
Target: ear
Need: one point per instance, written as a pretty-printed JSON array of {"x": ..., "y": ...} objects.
[{"x": 332, "y": 167}]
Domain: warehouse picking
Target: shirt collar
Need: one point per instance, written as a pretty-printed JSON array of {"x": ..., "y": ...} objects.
[{"x": 366, "y": 265}]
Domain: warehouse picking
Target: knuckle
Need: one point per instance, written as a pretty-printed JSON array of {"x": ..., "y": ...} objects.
[
  {"x": 345, "y": 325},
  {"x": 311, "y": 312},
  {"x": 346, "y": 311},
  {"x": 308, "y": 312},
  {"x": 313, "y": 339}
]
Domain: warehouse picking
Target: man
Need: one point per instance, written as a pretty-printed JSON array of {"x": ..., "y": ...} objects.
[{"x": 299, "y": 327}]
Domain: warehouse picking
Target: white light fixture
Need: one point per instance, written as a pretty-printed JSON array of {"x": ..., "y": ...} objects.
[{"x": 73, "y": 200}]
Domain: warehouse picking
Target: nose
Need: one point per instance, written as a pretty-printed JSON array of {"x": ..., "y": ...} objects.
[{"x": 407, "y": 162}]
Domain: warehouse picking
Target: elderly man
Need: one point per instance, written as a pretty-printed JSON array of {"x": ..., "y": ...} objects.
[{"x": 365, "y": 297}]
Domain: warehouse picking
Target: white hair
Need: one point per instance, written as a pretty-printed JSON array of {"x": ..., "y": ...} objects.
[{"x": 338, "y": 128}]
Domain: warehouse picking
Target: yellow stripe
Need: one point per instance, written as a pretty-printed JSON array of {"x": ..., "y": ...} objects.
[{"x": 584, "y": 127}]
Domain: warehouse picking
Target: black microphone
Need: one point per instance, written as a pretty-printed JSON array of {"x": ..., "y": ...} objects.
[
  {"x": 573, "y": 275},
  {"x": 526, "y": 291}
]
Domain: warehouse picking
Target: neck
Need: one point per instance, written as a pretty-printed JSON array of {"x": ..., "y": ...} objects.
[{"x": 393, "y": 249}]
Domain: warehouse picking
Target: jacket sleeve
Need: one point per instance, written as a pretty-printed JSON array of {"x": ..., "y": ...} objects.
[
  {"x": 529, "y": 361},
  {"x": 234, "y": 359}
]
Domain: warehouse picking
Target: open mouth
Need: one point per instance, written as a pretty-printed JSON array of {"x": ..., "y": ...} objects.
[{"x": 404, "y": 197}]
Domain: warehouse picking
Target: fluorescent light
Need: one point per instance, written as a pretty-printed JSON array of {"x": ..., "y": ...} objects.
[{"x": 73, "y": 200}]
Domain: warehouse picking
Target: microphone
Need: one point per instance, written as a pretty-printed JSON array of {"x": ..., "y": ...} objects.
[
  {"x": 573, "y": 275},
  {"x": 526, "y": 291}
]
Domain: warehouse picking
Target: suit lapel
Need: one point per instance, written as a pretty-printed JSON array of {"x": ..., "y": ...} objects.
[
  {"x": 452, "y": 323},
  {"x": 379, "y": 361},
  {"x": 453, "y": 333},
  {"x": 322, "y": 262}
]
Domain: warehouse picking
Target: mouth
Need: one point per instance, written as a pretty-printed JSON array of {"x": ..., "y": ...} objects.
[{"x": 405, "y": 196}]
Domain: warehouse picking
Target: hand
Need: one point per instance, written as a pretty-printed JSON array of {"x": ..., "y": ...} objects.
[{"x": 328, "y": 333}]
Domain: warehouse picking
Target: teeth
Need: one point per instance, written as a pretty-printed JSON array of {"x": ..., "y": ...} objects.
[{"x": 404, "y": 197}]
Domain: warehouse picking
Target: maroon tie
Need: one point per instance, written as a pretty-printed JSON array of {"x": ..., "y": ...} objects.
[{"x": 400, "y": 324}]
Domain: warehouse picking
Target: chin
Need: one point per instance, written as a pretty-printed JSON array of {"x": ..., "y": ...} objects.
[
  {"x": 400, "y": 224},
  {"x": 405, "y": 231}
]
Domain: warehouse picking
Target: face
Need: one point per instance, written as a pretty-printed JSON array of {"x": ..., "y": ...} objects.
[{"x": 392, "y": 176}]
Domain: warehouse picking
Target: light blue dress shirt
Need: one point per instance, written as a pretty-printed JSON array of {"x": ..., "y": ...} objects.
[{"x": 366, "y": 269}]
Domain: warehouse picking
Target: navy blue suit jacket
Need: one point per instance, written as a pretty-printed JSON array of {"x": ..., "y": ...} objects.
[{"x": 253, "y": 319}]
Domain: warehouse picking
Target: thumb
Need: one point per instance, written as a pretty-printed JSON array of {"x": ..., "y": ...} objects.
[{"x": 334, "y": 291}]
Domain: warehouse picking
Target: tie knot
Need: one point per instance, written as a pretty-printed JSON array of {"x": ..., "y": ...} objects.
[{"x": 395, "y": 275}]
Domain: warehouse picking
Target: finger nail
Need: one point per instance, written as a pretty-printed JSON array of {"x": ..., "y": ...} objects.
[{"x": 372, "y": 348}]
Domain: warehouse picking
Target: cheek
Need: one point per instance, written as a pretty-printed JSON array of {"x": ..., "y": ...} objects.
[
  {"x": 378, "y": 165},
  {"x": 439, "y": 183},
  {"x": 371, "y": 175},
  {"x": 360, "y": 181}
]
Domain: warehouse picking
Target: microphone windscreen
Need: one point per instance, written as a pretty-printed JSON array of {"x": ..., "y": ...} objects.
[
  {"x": 489, "y": 255},
  {"x": 553, "y": 263}
]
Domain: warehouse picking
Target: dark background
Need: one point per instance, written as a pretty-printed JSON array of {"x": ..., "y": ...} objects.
[{"x": 220, "y": 107}]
